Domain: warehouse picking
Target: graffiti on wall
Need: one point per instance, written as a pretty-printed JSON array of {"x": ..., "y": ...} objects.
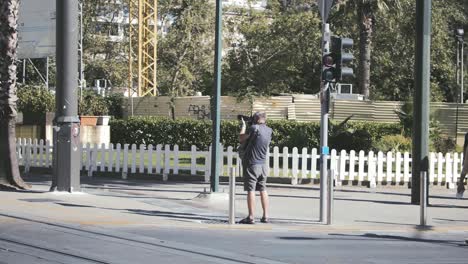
[{"x": 202, "y": 112}]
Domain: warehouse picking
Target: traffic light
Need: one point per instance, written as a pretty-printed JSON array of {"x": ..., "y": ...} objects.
[
  {"x": 328, "y": 72},
  {"x": 341, "y": 57}
]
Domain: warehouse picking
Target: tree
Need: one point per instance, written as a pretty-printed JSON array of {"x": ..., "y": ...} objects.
[
  {"x": 365, "y": 11},
  {"x": 185, "y": 62},
  {"x": 277, "y": 53},
  {"x": 104, "y": 58},
  {"x": 9, "y": 169}
]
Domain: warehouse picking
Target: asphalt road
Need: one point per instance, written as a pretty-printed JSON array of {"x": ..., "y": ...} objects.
[{"x": 24, "y": 240}]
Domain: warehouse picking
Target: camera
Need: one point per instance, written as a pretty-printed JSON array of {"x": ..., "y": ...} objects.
[{"x": 248, "y": 119}]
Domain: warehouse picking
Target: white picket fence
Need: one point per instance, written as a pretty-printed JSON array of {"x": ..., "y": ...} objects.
[{"x": 148, "y": 159}]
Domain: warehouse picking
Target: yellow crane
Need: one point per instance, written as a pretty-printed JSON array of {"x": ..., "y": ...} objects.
[{"x": 143, "y": 44}]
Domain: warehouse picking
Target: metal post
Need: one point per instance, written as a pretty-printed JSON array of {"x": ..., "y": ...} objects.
[
  {"x": 421, "y": 96},
  {"x": 462, "y": 72},
  {"x": 232, "y": 196},
  {"x": 331, "y": 177},
  {"x": 24, "y": 71},
  {"x": 81, "y": 78},
  {"x": 216, "y": 101},
  {"x": 324, "y": 150},
  {"x": 47, "y": 72},
  {"x": 457, "y": 68},
  {"x": 66, "y": 120},
  {"x": 423, "y": 198}
]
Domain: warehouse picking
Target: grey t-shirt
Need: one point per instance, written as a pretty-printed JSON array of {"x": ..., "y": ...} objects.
[{"x": 259, "y": 144}]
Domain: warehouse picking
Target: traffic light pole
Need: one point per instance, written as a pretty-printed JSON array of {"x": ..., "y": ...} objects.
[{"x": 324, "y": 149}]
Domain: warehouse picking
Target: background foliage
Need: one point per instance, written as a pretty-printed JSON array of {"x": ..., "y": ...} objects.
[{"x": 185, "y": 133}]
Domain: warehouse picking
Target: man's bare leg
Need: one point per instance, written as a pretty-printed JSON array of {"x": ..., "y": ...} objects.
[
  {"x": 251, "y": 204},
  {"x": 265, "y": 203}
]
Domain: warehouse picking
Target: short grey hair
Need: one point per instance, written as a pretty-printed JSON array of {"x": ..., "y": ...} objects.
[{"x": 259, "y": 117}]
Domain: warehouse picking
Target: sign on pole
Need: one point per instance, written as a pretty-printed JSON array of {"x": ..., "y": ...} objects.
[{"x": 324, "y": 8}]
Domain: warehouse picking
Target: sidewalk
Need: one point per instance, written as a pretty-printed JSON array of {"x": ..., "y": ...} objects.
[{"x": 117, "y": 203}]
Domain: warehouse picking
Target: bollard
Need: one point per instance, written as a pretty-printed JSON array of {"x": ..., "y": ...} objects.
[
  {"x": 232, "y": 196},
  {"x": 423, "y": 198},
  {"x": 331, "y": 177}
]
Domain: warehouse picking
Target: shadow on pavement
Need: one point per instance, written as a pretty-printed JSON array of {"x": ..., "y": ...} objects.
[{"x": 455, "y": 243}]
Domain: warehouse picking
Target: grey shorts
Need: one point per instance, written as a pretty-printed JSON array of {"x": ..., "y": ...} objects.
[{"x": 255, "y": 177}]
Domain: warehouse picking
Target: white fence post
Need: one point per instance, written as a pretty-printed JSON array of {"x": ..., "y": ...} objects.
[
  {"x": 313, "y": 167},
  {"x": 389, "y": 170},
  {"x": 380, "y": 164},
  {"x": 285, "y": 162},
  {"x": 352, "y": 163},
  {"x": 125, "y": 162},
  {"x": 167, "y": 160},
  {"x": 150, "y": 159},
  {"x": 361, "y": 166},
  {"x": 305, "y": 158},
  {"x": 134, "y": 152},
  {"x": 334, "y": 166},
  {"x": 193, "y": 160},
  {"x": 456, "y": 162},
  {"x": 176, "y": 159},
  {"x": 295, "y": 161},
  {"x": 276, "y": 171},
  {"x": 432, "y": 161},
  {"x": 141, "y": 167},
  {"x": 448, "y": 171},
  {"x": 371, "y": 170},
  {"x": 398, "y": 173},
  {"x": 102, "y": 160},
  {"x": 158, "y": 158},
  {"x": 110, "y": 158},
  {"x": 341, "y": 167},
  {"x": 440, "y": 168},
  {"x": 406, "y": 165},
  {"x": 117, "y": 157}
]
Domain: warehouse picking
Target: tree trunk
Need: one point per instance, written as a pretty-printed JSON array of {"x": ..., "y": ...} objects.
[
  {"x": 365, "y": 27},
  {"x": 9, "y": 170}
]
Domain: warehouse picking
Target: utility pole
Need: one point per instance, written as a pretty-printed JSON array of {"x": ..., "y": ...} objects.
[
  {"x": 421, "y": 97},
  {"x": 216, "y": 100},
  {"x": 67, "y": 123}
]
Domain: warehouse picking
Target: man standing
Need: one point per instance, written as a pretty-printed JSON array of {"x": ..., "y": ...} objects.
[{"x": 257, "y": 143}]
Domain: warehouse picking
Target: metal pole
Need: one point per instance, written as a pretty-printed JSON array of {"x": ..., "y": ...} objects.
[
  {"x": 81, "y": 80},
  {"x": 324, "y": 149},
  {"x": 47, "y": 73},
  {"x": 232, "y": 196},
  {"x": 423, "y": 198},
  {"x": 66, "y": 120},
  {"x": 421, "y": 96},
  {"x": 457, "y": 69},
  {"x": 24, "y": 71},
  {"x": 216, "y": 100},
  {"x": 462, "y": 72},
  {"x": 331, "y": 177}
]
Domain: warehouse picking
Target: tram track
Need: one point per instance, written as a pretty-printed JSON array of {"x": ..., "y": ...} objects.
[{"x": 148, "y": 243}]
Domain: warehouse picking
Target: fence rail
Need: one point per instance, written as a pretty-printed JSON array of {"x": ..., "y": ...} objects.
[{"x": 295, "y": 164}]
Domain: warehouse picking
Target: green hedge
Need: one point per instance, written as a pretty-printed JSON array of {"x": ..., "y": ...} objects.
[{"x": 186, "y": 132}]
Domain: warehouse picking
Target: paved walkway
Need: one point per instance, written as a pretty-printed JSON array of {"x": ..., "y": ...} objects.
[{"x": 109, "y": 202}]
